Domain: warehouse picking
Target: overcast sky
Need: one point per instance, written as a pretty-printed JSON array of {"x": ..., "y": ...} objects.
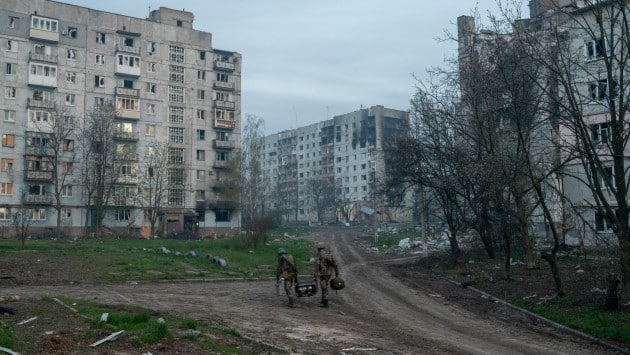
[{"x": 307, "y": 61}]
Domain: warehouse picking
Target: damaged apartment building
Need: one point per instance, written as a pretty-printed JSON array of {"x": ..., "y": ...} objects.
[
  {"x": 169, "y": 86},
  {"x": 326, "y": 172}
]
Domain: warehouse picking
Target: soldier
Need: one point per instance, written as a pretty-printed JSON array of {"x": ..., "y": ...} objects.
[
  {"x": 287, "y": 270},
  {"x": 324, "y": 265}
]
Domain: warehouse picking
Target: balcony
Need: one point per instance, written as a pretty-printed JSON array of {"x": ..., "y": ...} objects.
[
  {"x": 223, "y": 85},
  {"x": 127, "y": 49},
  {"x": 126, "y": 136},
  {"x": 127, "y": 70},
  {"x": 38, "y": 175},
  {"x": 127, "y": 180},
  {"x": 46, "y": 58},
  {"x": 42, "y": 35},
  {"x": 128, "y": 114},
  {"x": 225, "y": 104},
  {"x": 39, "y": 150},
  {"x": 120, "y": 91},
  {"x": 221, "y": 65},
  {"x": 38, "y": 199},
  {"x": 45, "y": 104},
  {"x": 223, "y": 144},
  {"x": 126, "y": 157},
  {"x": 229, "y": 124},
  {"x": 42, "y": 80},
  {"x": 220, "y": 164}
]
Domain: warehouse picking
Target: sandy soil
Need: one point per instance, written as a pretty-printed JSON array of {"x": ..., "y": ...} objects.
[{"x": 384, "y": 309}]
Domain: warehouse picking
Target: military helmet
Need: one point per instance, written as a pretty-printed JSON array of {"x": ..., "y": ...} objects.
[
  {"x": 321, "y": 246},
  {"x": 281, "y": 251},
  {"x": 337, "y": 283}
]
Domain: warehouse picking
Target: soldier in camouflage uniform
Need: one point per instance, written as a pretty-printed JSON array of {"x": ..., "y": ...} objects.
[
  {"x": 287, "y": 270},
  {"x": 324, "y": 266}
]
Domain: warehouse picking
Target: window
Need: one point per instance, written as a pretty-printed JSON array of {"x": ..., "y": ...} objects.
[
  {"x": 222, "y": 77},
  {"x": 201, "y": 75},
  {"x": 66, "y": 191},
  {"x": 602, "y": 224},
  {"x": 201, "y": 174},
  {"x": 202, "y": 55},
  {"x": 608, "y": 177},
  {"x": 100, "y": 37},
  {"x": 175, "y": 114},
  {"x": 175, "y": 197},
  {"x": 127, "y": 41},
  {"x": 8, "y": 140},
  {"x": 149, "y": 130},
  {"x": 224, "y": 115},
  {"x": 127, "y": 103},
  {"x": 201, "y": 155},
  {"x": 176, "y": 135},
  {"x": 151, "y": 47},
  {"x": 200, "y": 195},
  {"x": 66, "y": 168},
  {"x": 123, "y": 214},
  {"x": 128, "y": 61},
  {"x": 68, "y": 145},
  {"x": 180, "y": 23},
  {"x": 11, "y": 68},
  {"x": 201, "y": 135},
  {"x": 176, "y": 94},
  {"x": 71, "y": 54},
  {"x": 151, "y": 67},
  {"x": 99, "y": 101},
  {"x": 150, "y": 109},
  {"x": 176, "y": 73},
  {"x": 598, "y": 90},
  {"x": 6, "y": 188},
  {"x": 37, "y": 214},
  {"x": 201, "y": 94},
  {"x": 43, "y": 70},
  {"x": 99, "y": 59},
  {"x": 70, "y": 99},
  {"x": 5, "y": 213},
  {"x": 6, "y": 165},
  {"x": 12, "y": 46},
  {"x": 71, "y": 77},
  {"x": 223, "y": 136},
  {"x": 176, "y": 54},
  {"x": 66, "y": 213},
  {"x": 600, "y": 133},
  {"x": 72, "y": 32},
  {"x": 40, "y": 116},
  {"x": 595, "y": 49},
  {"x": 151, "y": 88},
  {"x": 9, "y": 92},
  {"x": 12, "y": 20},
  {"x": 99, "y": 81},
  {"x": 176, "y": 156},
  {"x": 222, "y": 156},
  {"x": 44, "y": 24},
  {"x": 37, "y": 190},
  {"x": 201, "y": 114}
]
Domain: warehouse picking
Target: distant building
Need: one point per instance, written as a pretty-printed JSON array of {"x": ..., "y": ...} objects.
[
  {"x": 169, "y": 85},
  {"x": 336, "y": 162}
]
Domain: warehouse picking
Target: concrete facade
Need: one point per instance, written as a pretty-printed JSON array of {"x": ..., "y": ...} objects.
[
  {"x": 169, "y": 85},
  {"x": 349, "y": 150}
]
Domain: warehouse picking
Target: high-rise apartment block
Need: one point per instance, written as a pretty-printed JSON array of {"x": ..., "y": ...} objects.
[
  {"x": 169, "y": 85},
  {"x": 327, "y": 171}
]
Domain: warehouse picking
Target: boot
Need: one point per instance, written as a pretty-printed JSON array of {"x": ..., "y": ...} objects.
[{"x": 324, "y": 304}]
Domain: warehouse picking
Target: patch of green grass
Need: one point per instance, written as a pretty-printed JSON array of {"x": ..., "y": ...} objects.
[
  {"x": 592, "y": 320},
  {"x": 7, "y": 337}
]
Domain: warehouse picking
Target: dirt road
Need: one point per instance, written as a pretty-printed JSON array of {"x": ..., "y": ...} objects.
[{"x": 376, "y": 313}]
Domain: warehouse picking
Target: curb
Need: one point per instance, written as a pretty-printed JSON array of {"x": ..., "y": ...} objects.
[{"x": 548, "y": 322}]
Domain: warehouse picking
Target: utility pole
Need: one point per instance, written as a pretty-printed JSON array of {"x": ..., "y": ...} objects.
[{"x": 374, "y": 203}]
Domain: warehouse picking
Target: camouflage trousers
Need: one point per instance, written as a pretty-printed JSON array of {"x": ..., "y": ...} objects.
[
  {"x": 289, "y": 289},
  {"x": 323, "y": 284}
]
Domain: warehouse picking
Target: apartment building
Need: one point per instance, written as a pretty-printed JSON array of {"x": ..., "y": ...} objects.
[
  {"x": 169, "y": 86},
  {"x": 588, "y": 41},
  {"x": 326, "y": 171}
]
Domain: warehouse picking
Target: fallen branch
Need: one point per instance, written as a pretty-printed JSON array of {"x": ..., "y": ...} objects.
[
  {"x": 27, "y": 321},
  {"x": 111, "y": 337},
  {"x": 9, "y": 298},
  {"x": 8, "y": 351}
]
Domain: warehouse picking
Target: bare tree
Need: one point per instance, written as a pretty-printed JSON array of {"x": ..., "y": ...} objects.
[
  {"x": 153, "y": 185},
  {"x": 98, "y": 152},
  {"x": 252, "y": 182},
  {"x": 320, "y": 189}
]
